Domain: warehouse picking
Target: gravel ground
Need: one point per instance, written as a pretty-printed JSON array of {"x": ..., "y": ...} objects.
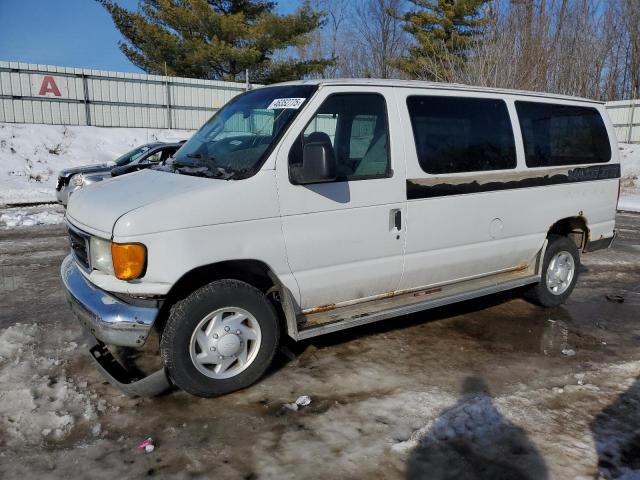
[{"x": 493, "y": 388}]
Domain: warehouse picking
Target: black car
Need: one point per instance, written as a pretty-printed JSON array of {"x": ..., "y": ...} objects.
[
  {"x": 144, "y": 156},
  {"x": 156, "y": 154}
]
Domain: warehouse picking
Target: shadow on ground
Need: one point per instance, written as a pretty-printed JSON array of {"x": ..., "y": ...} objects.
[
  {"x": 472, "y": 440},
  {"x": 616, "y": 433}
]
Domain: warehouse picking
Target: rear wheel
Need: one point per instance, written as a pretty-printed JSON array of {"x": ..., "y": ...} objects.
[
  {"x": 559, "y": 273},
  {"x": 220, "y": 338}
]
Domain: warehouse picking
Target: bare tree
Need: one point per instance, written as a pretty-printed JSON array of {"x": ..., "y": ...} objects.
[
  {"x": 588, "y": 48},
  {"x": 576, "y": 47},
  {"x": 380, "y": 34}
]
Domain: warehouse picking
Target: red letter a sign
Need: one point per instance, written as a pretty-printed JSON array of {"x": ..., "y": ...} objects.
[{"x": 49, "y": 86}]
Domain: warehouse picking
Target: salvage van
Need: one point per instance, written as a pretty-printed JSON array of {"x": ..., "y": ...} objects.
[{"x": 305, "y": 208}]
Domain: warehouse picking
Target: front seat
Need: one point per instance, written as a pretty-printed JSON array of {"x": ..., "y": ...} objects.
[{"x": 375, "y": 161}]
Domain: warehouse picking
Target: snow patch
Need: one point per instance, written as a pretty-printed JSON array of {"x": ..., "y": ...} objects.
[
  {"x": 36, "y": 404},
  {"x": 31, "y": 155},
  {"x": 28, "y": 217},
  {"x": 630, "y": 181}
]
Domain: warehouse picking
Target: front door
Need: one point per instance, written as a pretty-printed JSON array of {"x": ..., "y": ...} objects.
[{"x": 345, "y": 239}]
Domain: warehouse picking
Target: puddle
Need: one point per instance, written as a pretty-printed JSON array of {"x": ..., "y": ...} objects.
[{"x": 547, "y": 332}]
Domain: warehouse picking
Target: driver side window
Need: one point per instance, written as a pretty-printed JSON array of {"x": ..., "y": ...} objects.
[{"x": 355, "y": 126}]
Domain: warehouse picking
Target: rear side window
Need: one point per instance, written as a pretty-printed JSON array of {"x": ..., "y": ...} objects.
[
  {"x": 562, "y": 134},
  {"x": 461, "y": 134}
]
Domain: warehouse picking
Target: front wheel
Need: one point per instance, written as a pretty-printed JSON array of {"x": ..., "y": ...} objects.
[
  {"x": 220, "y": 338},
  {"x": 559, "y": 273}
]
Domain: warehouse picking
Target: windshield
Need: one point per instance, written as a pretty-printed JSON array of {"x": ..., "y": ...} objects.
[
  {"x": 132, "y": 155},
  {"x": 236, "y": 140}
]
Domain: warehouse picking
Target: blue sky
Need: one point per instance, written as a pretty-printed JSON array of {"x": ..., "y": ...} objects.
[{"x": 70, "y": 33}]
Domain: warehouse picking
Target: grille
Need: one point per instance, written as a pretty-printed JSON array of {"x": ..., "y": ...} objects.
[{"x": 79, "y": 247}]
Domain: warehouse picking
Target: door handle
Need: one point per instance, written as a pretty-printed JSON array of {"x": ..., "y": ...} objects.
[{"x": 397, "y": 219}]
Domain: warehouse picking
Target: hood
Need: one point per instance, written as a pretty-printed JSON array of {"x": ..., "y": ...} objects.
[
  {"x": 152, "y": 201},
  {"x": 67, "y": 172}
]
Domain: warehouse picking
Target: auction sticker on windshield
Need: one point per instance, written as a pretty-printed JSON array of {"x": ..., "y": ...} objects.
[{"x": 286, "y": 103}]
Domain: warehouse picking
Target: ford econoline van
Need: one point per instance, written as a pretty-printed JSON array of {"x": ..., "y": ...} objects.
[{"x": 309, "y": 207}]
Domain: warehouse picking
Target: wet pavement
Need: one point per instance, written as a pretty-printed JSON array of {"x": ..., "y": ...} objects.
[{"x": 490, "y": 388}]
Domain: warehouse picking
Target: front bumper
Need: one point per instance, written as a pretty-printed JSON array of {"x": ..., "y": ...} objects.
[{"x": 108, "y": 318}]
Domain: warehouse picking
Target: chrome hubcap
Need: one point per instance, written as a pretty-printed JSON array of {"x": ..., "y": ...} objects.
[
  {"x": 225, "y": 342},
  {"x": 560, "y": 272}
]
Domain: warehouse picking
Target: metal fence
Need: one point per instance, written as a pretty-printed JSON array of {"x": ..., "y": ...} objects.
[
  {"x": 32, "y": 93},
  {"x": 625, "y": 116},
  {"x": 73, "y": 96}
]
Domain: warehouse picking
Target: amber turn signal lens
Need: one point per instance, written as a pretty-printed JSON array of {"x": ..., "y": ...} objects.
[{"x": 129, "y": 260}]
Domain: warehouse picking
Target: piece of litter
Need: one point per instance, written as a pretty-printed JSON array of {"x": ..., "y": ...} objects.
[
  {"x": 568, "y": 352},
  {"x": 303, "y": 401},
  {"x": 147, "y": 445}
]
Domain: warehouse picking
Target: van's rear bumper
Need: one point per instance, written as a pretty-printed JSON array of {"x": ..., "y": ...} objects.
[
  {"x": 600, "y": 244},
  {"x": 108, "y": 318}
]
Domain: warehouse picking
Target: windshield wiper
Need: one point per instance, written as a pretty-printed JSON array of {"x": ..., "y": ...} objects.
[
  {"x": 241, "y": 173},
  {"x": 202, "y": 171}
]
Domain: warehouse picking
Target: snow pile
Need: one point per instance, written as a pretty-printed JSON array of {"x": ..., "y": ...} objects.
[
  {"x": 31, "y": 155},
  {"x": 36, "y": 404},
  {"x": 630, "y": 183},
  {"x": 30, "y": 216}
]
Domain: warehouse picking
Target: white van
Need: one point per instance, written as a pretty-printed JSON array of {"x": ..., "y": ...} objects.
[{"x": 309, "y": 207}]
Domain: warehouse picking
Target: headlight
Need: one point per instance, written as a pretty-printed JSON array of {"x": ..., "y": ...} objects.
[
  {"x": 129, "y": 260},
  {"x": 100, "y": 250},
  {"x": 77, "y": 181}
]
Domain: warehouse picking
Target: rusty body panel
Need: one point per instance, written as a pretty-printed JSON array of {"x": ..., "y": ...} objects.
[
  {"x": 401, "y": 303},
  {"x": 415, "y": 292},
  {"x": 321, "y": 308}
]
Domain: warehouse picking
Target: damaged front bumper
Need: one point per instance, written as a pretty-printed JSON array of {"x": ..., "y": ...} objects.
[
  {"x": 108, "y": 318},
  {"x": 114, "y": 322}
]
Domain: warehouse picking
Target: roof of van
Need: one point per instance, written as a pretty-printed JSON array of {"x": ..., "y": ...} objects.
[{"x": 433, "y": 86}]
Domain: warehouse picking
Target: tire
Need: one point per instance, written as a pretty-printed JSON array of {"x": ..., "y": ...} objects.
[
  {"x": 185, "y": 338},
  {"x": 542, "y": 293}
]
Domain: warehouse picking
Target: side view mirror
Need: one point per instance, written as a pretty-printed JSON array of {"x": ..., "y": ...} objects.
[{"x": 318, "y": 164}]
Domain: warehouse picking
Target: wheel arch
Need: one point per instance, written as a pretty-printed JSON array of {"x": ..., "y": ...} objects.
[
  {"x": 575, "y": 228},
  {"x": 254, "y": 272}
]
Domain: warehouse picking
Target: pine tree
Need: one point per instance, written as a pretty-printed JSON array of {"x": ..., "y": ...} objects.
[
  {"x": 443, "y": 31},
  {"x": 216, "y": 39}
]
